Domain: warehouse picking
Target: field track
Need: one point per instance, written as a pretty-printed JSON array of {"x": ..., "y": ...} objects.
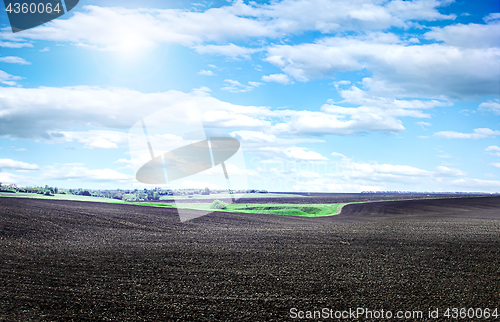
[{"x": 80, "y": 261}]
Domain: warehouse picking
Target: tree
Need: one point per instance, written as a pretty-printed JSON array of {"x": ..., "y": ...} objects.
[
  {"x": 218, "y": 204},
  {"x": 206, "y": 191}
]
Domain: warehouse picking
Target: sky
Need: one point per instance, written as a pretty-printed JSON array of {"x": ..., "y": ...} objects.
[{"x": 325, "y": 96}]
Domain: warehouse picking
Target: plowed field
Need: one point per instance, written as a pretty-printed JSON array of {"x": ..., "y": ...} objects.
[{"x": 78, "y": 261}]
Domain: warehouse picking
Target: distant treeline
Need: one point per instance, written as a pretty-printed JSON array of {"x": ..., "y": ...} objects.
[{"x": 121, "y": 194}]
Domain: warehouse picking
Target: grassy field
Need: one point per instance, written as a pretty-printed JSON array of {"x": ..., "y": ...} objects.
[{"x": 303, "y": 210}]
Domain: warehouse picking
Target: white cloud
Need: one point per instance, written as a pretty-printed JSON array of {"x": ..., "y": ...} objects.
[
  {"x": 9, "y": 44},
  {"x": 71, "y": 172},
  {"x": 44, "y": 111},
  {"x": 120, "y": 29},
  {"x": 227, "y": 119},
  {"x": 342, "y": 82},
  {"x": 480, "y": 133},
  {"x": 14, "y": 60},
  {"x": 234, "y": 86},
  {"x": 448, "y": 172},
  {"x": 44, "y": 50},
  {"x": 490, "y": 106},
  {"x": 376, "y": 114},
  {"x": 255, "y": 136},
  {"x": 496, "y": 165},
  {"x": 278, "y": 78},
  {"x": 97, "y": 139},
  {"x": 303, "y": 154},
  {"x": 347, "y": 175},
  {"x": 471, "y": 35},
  {"x": 276, "y": 154},
  {"x": 254, "y": 84},
  {"x": 8, "y": 79},
  {"x": 423, "y": 124},
  {"x": 50, "y": 110},
  {"x": 17, "y": 165},
  {"x": 12, "y": 178},
  {"x": 336, "y": 154},
  {"x": 435, "y": 69},
  {"x": 492, "y": 17},
  {"x": 206, "y": 72},
  {"x": 230, "y": 50},
  {"x": 255, "y": 140},
  {"x": 431, "y": 70},
  {"x": 493, "y": 150},
  {"x": 477, "y": 184}
]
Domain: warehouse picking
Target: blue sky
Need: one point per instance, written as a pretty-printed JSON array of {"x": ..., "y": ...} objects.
[{"x": 340, "y": 96}]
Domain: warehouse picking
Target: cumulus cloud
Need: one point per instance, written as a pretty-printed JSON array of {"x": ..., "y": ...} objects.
[
  {"x": 466, "y": 64},
  {"x": 346, "y": 175},
  {"x": 120, "y": 29},
  {"x": 377, "y": 114},
  {"x": 432, "y": 70},
  {"x": 279, "y": 154},
  {"x": 14, "y": 60},
  {"x": 45, "y": 112},
  {"x": 117, "y": 28},
  {"x": 496, "y": 165},
  {"x": 235, "y": 86},
  {"x": 490, "y": 106},
  {"x": 230, "y": 50},
  {"x": 303, "y": 154},
  {"x": 255, "y": 140},
  {"x": 336, "y": 154},
  {"x": 232, "y": 119},
  {"x": 96, "y": 139},
  {"x": 70, "y": 172},
  {"x": 277, "y": 78},
  {"x": 477, "y": 184},
  {"x": 206, "y": 72},
  {"x": 343, "y": 174},
  {"x": 448, "y": 172},
  {"x": 480, "y": 133},
  {"x": 10, "y": 44},
  {"x": 423, "y": 124},
  {"x": 13, "y": 178},
  {"x": 17, "y": 165},
  {"x": 255, "y": 136},
  {"x": 471, "y": 35},
  {"x": 493, "y": 150},
  {"x": 8, "y": 79}
]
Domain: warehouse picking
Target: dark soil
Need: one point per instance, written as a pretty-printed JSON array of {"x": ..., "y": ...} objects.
[{"x": 78, "y": 261}]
